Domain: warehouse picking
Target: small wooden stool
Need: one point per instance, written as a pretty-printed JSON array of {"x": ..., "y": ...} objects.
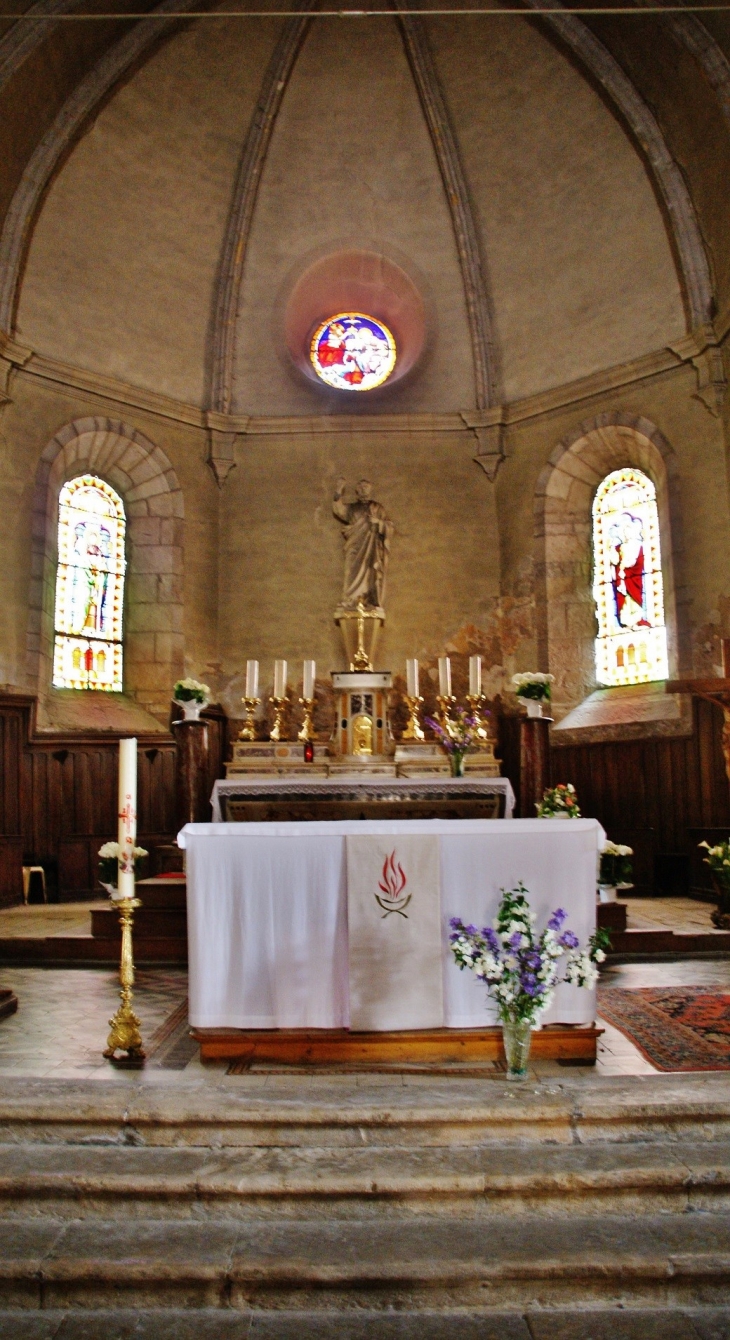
[{"x": 29, "y": 870}]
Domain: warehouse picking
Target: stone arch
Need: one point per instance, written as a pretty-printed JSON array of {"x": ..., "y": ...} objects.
[
  {"x": 565, "y": 611},
  {"x": 143, "y": 475}
]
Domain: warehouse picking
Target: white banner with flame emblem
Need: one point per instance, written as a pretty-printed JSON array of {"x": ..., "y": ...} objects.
[{"x": 394, "y": 929}]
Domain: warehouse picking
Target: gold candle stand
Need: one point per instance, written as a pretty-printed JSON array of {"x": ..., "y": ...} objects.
[
  {"x": 307, "y": 731},
  {"x": 125, "y": 1035},
  {"x": 278, "y": 729},
  {"x": 445, "y": 704},
  {"x": 413, "y": 730},
  {"x": 475, "y": 701},
  {"x": 248, "y": 729}
]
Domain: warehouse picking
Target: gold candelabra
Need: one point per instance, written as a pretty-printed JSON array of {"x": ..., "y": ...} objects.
[
  {"x": 445, "y": 705},
  {"x": 278, "y": 730},
  {"x": 307, "y": 731},
  {"x": 413, "y": 730},
  {"x": 248, "y": 729},
  {"x": 125, "y": 1035}
]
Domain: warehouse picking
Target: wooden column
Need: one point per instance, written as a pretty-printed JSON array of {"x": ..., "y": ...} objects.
[
  {"x": 192, "y": 780},
  {"x": 534, "y": 763}
]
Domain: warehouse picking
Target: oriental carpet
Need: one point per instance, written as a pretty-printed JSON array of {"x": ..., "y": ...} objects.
[{"x": 678, "y": 1028}]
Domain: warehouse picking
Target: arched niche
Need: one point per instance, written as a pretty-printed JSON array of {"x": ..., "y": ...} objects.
[
  {"x": 143, "y": 476},
  {"x": 565, "y": 607}
]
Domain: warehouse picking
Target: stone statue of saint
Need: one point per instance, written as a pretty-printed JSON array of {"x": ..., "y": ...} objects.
[{"x": 366, "y": 533}]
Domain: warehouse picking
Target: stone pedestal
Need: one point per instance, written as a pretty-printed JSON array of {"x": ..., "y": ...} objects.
[
  {"x": 192, "y": 779},
  {"x": 534, "y": 763}
]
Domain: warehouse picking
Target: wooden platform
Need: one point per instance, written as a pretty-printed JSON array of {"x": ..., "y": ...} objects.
[{"x": 323, "y": 1046}]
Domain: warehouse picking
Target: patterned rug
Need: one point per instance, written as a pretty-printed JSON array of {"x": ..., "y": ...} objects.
[{"x": 685, "y": 1028}]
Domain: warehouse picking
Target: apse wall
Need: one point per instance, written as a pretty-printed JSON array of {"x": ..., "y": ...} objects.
[{"x": 124, "y": 258}]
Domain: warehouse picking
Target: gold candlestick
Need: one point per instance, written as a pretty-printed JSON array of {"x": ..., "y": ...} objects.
[
  {"x": 278, "y": 730},
  {"x": 444, "y": 709},
  {"x": 413, "y": 730},
  {"x": 125, "y": 1034},
  {"x": 248, "y": 730},
  {"x": 307, "y": 731},
  {"x": 475, "y": 701}
]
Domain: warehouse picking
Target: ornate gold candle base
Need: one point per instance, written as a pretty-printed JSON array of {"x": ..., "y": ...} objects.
[
  {"x": 444, "y": 712},
  {"x": 248, "y": 729},
  {"x": 413, "y": 730},
  {"x": 125, "y": 1035},
  {"x": 307, "y": 731},
  {"x": 475, "y": 701},
  {"x": 278, "y": 730}
]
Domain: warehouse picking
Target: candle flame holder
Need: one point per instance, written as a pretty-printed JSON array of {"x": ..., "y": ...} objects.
[
  {"x": 413, "y": 730},
  {"x": 278, "y": 730},
  {"x": 125, "y": 1035},
  {"x": 307, "y": 731},
  {"x": 248, "y": 729},
  {"x": 475, "y": 701}
]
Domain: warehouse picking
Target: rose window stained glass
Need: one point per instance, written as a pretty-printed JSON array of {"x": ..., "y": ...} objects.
[
  {"x": 353, "y": 352},
  {"x": 631, "y": 647},
  {"x": 87, "y": 650}
]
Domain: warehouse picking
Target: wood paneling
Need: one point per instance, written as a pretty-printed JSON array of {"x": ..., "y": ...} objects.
[{"x": 651, "y": 793}]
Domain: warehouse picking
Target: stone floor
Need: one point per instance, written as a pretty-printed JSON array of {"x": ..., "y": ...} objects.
[{"x": 61, "y": 1026}]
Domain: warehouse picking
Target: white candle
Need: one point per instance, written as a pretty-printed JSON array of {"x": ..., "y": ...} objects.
[
  {"x": 127, "y": 830},
  {"x": 475, "y": 676},
  {"x": 412, "y": 678},
  {"x": 308, "y": 677},
  {"x": 279, "y": 679},
  {"x": 444, "y": 677},
  {"x": 252, "y": 679}
]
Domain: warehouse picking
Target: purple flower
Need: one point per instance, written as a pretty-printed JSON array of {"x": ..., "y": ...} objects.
[
  {"x": 557, "y": 919},
  {"x": 530, "y": 984},
  {"x": 532, "y": 959},
  {"x": 569, "y": 940},
  {"x": 492, "y": 939},
  {"x": 515, "y": 941}
]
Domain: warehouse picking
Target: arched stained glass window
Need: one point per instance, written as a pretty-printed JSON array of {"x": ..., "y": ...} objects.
[
  {"x": 631, "y": 647},
  {"x": 89, "y": 586}
]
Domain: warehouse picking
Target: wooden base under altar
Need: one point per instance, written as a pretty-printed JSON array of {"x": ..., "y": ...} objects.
[{"x": 324, "y": 1046}]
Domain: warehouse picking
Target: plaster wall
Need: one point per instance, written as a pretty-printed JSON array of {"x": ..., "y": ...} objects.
[{"x": 121, "y": 268}]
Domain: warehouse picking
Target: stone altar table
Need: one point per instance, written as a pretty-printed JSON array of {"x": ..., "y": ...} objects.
[{"x": 357, "y": 796}]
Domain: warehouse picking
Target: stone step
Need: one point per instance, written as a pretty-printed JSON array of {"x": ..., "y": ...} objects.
[
  {"x": 324, "y": 1111},
  {"x": 75, "y": 1181},
  {"x": 502, "y": 1262},
  {"x": 598, "y": 1323}
]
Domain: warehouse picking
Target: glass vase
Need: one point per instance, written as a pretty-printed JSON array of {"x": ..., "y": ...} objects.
[
  {"x": 457, "y": 763},
  {"x": 516, "y": 1036}
]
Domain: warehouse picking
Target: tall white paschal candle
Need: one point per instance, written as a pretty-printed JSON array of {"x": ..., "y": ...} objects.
[
  {"x": 252, "y": 679},
  {"x": 412, "y": 678},
  {"x": 475, "y": 676},
  {"x": 127, "y": 831},
  {"x": 308, "y": 677},
  {"x": 444, "y": 677},
  {"x": 279, "y": 679}
]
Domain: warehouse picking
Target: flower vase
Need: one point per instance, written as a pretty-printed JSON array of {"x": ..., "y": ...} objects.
[
  {"x": 534, "y": 707},
  {"x": 607, "y": 893},
  {"x": 191, "y": 710},
  {"x": 457, "y": 760},
  {"x": 720, "y": 918},
  {"x": 516, "y": 1036}
]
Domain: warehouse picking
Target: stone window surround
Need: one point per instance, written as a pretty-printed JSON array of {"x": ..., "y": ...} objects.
[
  {"x": 563, "y": 535},
  {"x": 153, "y": 609}
]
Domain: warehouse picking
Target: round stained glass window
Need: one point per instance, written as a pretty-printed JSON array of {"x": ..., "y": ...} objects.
[{"x": 353, "y": 352}]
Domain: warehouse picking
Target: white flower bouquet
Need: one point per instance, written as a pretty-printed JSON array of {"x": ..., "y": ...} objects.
[
  {"x": 533, "y": 684},
  {"x": 190, "y": 691},
  {"x": 109, "y": 862},
  {"x": 615, "y": 868}
]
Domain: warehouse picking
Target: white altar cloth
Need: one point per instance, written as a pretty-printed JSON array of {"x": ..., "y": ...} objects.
[
  {"x": 267, "y": 912},
  {"x": 283, "y": 786}
]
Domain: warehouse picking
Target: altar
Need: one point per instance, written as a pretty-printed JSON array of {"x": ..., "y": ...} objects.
[
  {"x": 268, "y": 918},
  {"x": 357, "y": 796}
]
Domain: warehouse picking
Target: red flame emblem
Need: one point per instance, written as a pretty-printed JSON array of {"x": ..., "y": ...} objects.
[{"x": 392, "y": 884}]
